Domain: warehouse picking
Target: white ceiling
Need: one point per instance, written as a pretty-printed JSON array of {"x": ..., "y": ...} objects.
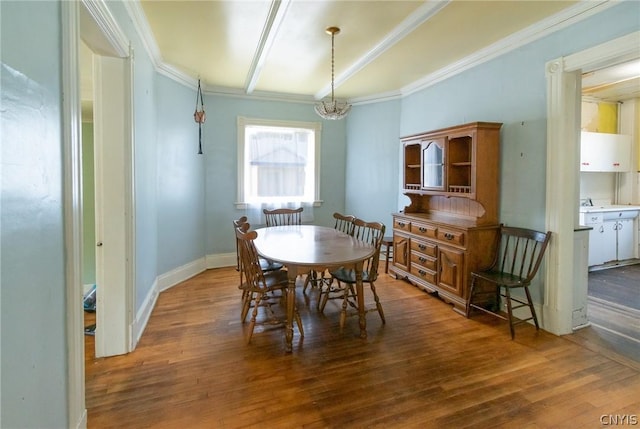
[{"x": 385, "y": 48}]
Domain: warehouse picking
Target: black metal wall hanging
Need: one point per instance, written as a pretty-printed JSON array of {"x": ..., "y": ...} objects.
[{"x": 199, "y": 116}]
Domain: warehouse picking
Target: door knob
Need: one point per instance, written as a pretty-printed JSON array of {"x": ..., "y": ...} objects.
[{"x": 99, "y": 244}]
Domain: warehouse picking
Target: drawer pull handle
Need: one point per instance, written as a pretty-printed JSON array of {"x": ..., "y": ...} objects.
[
  {"x": 422, "y": 229},
  {"x": 402, "y": 224},
  {"x": 423, "y": 260},
  {"x": 422, "y": 272},
  {"x": 422, "y": 246},
  {"x": 448, "y": 236}
]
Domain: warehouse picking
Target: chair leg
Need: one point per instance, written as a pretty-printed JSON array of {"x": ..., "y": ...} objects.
[
  {"x": 509, "y": 312},
  {"x": 533, "y": 311},
  {"x": 472, "y": 289},
  {"x": 323, "y": 297},
  {"x": 254, "y": 315},
  {"x": 345, "y": 302},
  {"x": 299, "y": 323},
  {"x": 378, "y": 305},
  {"x": 246, "y": 304}
]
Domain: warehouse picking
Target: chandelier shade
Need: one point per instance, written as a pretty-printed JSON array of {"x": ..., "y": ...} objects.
[{"x": 333, "y": 109}]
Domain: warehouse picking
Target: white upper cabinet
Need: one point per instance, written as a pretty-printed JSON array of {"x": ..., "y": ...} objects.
[{"x": 605, "y": 152}]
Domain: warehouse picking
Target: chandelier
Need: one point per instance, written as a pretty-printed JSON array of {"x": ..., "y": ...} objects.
[{"x": 332, "y": 109}]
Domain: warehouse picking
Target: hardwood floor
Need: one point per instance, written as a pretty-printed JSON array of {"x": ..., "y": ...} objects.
[
  {"x": 426, "y": 367},
  {"x": 620, "y": 285},
  {"x": 613, "y": 306}
]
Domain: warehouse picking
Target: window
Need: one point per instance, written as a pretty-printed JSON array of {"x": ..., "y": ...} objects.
[{"x": 278, "y": 163}]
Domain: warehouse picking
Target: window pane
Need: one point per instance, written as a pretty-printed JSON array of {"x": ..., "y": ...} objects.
[{"x": 279, "y": 163}]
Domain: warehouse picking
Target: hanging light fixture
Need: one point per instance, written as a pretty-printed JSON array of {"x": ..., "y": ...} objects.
[{"x": 332, "y": 109}]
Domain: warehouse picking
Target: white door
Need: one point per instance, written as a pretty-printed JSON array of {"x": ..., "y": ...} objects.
[{"x": 113, "y": 178}]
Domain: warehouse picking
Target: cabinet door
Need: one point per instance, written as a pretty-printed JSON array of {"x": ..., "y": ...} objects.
[
  {"x": 596, "y": 245},
  {"x": 605, "y": 152},
  {"x": 401, "y": 252},
  {"x": 625, "y": 239},
  {"x": 451, "y": 265},
  {"x": 433, "y": 164},
  {"x": 609, "y": 241}
]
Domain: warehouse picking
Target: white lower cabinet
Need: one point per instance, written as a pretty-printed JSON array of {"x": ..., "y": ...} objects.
[{"x": 611, "y": 239}]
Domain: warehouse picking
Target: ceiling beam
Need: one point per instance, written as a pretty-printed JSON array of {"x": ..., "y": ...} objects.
[{"x": 269, "y": 32}]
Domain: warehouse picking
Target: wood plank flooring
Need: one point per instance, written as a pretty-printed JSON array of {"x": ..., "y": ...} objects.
[
  {"x": 426, "y": 367},
  {"x": 620, "y": 285}
]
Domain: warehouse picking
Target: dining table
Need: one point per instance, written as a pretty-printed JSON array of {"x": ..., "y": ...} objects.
[{"x": 305, "y": 248}]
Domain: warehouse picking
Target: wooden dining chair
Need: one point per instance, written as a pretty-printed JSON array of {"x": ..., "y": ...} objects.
[
  {"x": 342, "y": 223},
  {"x": 343, "y": 280},
  {"x": 265, "y": 264},
  {"x": 283, "y": 216},
  {"x": 518, "y": 256},
  {"x": 260, "y": 286}
]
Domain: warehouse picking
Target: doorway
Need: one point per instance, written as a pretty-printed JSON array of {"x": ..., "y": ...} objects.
[
  {"x": 91, "y": 22},
  {"x": 562, "y": 176},
  {"x": 563, "y": 151}
]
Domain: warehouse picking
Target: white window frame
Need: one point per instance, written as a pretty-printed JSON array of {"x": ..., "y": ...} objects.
[{"x": 243, "y": 122}]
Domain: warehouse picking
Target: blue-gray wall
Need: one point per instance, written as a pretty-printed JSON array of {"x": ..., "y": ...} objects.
[
  {"x": 181, "y": 196},
  {"x": 33, "y": 290},
  {"x": 221, "y": 154},
  {"x": 372, "y": 168}
]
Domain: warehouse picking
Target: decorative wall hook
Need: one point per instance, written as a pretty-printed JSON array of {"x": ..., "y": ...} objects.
[{"x": 199, "y": 116}]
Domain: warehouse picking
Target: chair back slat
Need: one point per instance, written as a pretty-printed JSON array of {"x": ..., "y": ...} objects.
[
  {"x": 285, "y": 216},
  {"x": 236, "y": 224},
  {"x": 372, "y": 233},
  {"x": 521, "y": 251},
  {"x": 343, "y": 223},
  {"x": 249, "y": 258}
]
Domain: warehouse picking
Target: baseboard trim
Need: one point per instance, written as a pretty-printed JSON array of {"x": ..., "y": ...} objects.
[
  {"x": 221, "y": 260},
  {"x": 180, "y": 274},
  {"x": 143, "y": 314}
]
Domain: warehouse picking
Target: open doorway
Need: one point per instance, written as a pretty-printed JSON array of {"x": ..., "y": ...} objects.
[
  {"x": 610, "y": 197},
  {"x": 562, "y": 176},
  {"x": 105, "y": 80},
  {"x": 92, "y": 22}
]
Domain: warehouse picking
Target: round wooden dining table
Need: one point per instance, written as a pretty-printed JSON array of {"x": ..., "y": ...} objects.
[{"x": 303, "y": 248}]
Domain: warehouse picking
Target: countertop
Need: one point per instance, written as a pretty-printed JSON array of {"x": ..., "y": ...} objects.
[{"x": 610, "y": 208}]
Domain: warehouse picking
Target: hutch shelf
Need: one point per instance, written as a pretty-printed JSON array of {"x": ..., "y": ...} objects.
[{"x": 451, "y": 177}]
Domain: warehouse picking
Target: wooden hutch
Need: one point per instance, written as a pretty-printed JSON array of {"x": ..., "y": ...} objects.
[{"x": 452, "y": 177}]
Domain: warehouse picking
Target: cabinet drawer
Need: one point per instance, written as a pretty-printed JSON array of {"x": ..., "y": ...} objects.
[
  {"x": 424, "y": 230},
  {"x": 421, "y": 261},
  {"x": 401, "y": 224},
  {"x": 425, "y": 274},
  {"x": 428, "y": 249},
  {"x": 451, "y": 236},
  {"x": 593, "y": 218}
]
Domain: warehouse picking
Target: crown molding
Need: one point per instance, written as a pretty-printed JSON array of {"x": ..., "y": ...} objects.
[
  {"x": 134, "y": 9},
  {"x": 532, "y": 33},
  {"x": 563, "y": 19},
  {"x": 108, "y": 27}
]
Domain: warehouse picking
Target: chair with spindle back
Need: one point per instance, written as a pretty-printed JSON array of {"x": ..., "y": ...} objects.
[
  {"x": 518, "y": 256},
  {"x": 343, "y": 280},
  {"x": 265, "y": 264},
  {"x": 342, "y": 223},
  {"x": 258, "y": 285},
  {"x": 279, "y": 217}
]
